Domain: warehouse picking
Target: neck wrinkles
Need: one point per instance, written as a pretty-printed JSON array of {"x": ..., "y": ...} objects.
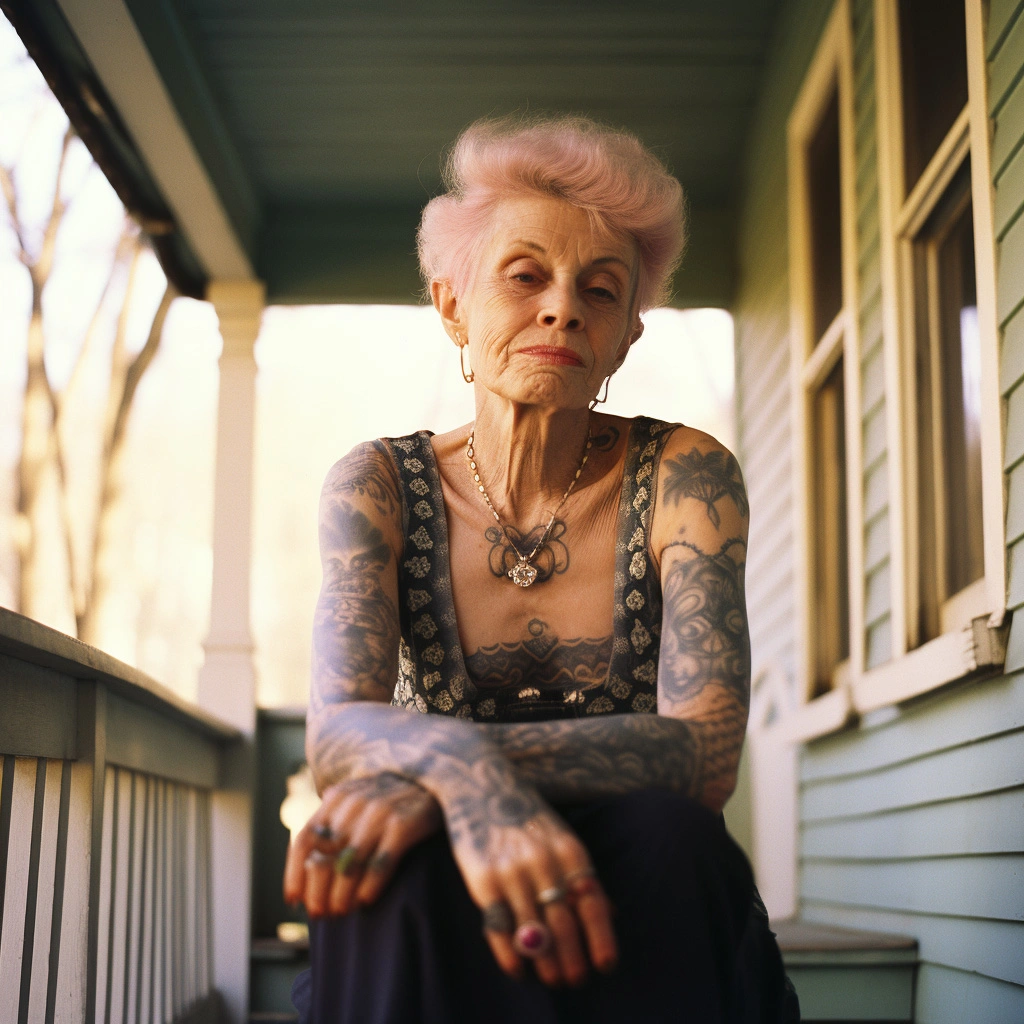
[{"x": 527, "y": 457}]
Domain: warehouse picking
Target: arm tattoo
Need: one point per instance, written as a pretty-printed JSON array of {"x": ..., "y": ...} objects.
[
  {"x": 606, "y": 755},
  {"x": 708, "y": 478},
  {"x": 704, "y": 670},
  {"x": 479, "y": 791},
  {"x": 368, "y": 472},
  {"x": 355, "y": 633},
  {"x": 552, "y": 558}
]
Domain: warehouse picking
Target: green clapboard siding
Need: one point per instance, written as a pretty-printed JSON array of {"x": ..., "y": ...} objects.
[
  {"x": 1001, "y": 16},
  {"x": 911, "y": 822},
  {"x": 1006, "y": 65},
  {"x": 984, "y": 767},
  {"x": 962, "y": 997},
  {"x": 987, "y": 886},
  {"x": 1011, "y": 366}
]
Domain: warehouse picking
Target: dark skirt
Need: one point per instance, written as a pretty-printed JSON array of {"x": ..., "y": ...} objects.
[{"x": 693, "y": 936}]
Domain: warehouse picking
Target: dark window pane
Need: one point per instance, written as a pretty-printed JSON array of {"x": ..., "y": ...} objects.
[
  {"x": 826, "y": 221},
  {"x": 933, "y": 61},
  {"x": 828, "y": 511},
  {"x": 948, "y": 389}
]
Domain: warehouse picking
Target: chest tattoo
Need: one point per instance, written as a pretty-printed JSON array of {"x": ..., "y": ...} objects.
[
  {"x": 551, "y": 559},
  {"x": 543, "y": 661}
]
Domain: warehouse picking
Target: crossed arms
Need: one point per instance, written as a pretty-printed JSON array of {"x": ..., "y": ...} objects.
[{"x": 692, "y": 745}]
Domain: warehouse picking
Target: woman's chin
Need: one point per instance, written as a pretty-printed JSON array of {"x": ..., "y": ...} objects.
[{"x": 547, "y": 391}]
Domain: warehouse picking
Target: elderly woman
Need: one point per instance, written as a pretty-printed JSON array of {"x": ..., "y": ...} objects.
[{"x": 559, "y": 595}]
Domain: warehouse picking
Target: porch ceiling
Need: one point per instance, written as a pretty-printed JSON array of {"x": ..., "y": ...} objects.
[{"x": 298, "y": 141}]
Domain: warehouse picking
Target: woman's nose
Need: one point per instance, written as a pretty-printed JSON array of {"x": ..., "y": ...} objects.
[{"x": 561, "y": 311}]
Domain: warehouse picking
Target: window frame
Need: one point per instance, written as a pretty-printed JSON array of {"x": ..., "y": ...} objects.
[
  {"x": 812, "y": 359},
  {"x": 916, "y": 668}
]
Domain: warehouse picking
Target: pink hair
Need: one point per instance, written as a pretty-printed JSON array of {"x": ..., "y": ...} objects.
[{"x": 610, "y": 174}]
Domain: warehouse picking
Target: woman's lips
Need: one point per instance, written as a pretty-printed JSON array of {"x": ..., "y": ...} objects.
[{"x": 549, "y": 354}]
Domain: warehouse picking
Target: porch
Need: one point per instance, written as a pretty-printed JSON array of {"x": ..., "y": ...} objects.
[{"x": 281, "y": 156}]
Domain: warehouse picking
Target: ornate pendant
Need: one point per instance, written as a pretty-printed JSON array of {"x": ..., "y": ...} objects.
[{"x": 522, "y": 574}]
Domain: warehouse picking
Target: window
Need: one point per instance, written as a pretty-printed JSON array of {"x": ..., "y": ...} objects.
[
  {"x": 940, "y": 341},
  {"x": 947, "y": 398},
  {"x": 823, "y": 332}
]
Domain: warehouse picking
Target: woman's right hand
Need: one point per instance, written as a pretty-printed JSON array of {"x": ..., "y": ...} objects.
[
  {"x": 367, "y": 824},
  {"x": 511, "y": 846}
]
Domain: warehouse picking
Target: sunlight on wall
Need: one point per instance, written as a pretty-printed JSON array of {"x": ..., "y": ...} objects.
[{"x": 333, "y": 376}]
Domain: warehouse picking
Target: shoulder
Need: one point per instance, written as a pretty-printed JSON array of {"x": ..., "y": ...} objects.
[
  {"x": 367, "y": 471},
  {"x": 364, "y": 484},
  {"x": 701, "y": 496}
]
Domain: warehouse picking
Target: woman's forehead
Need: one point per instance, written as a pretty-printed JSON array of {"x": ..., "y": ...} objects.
[{"x": 552, "y": 226}]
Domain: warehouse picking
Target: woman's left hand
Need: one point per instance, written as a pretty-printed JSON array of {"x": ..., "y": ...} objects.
[{"x": 349, "y": 849}]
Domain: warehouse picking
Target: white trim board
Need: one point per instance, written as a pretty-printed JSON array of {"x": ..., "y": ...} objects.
[{"x": 114, "y": 46}]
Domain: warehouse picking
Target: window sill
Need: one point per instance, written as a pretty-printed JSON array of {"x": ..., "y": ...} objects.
[{"x": 979, "y": 648}]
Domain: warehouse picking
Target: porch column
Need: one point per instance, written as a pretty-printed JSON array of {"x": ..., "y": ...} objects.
[{"x": 227, "y": 680}]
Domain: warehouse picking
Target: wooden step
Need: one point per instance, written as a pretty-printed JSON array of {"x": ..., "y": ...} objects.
[
  {"x": 274, "y": 966},
  {"x": 844, "y": 975}
]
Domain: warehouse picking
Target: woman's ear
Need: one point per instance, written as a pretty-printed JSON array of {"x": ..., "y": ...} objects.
[
  {"x": 447, "y": 306},
  {"x": 628, "y": 343}
]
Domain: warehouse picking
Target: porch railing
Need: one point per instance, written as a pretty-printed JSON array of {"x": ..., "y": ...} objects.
[{"x": 105, "y": 838}]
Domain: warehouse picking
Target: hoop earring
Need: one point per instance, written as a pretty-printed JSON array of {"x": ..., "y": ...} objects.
[
  {"x": 595, "y": 402},
  {"x": 467, "y": 377}
]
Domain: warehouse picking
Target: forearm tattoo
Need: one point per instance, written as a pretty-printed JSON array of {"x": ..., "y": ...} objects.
[
  {"x": 478, "y": 789},
  {"x": 708, "y": 477},
  {"x": 605, "y": 755},
  {"x": 704, "y": 671}
]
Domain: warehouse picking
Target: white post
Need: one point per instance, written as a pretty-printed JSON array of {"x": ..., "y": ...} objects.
[{"x": 227, "y": 680}]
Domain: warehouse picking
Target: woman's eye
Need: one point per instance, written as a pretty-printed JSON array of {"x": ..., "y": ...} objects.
[
  {"x": 525, "y": 276},
  {"x": 602, "y": 293}
]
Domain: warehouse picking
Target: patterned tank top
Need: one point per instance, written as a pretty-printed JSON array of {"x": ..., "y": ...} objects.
[{"x": 432, "y": 676}]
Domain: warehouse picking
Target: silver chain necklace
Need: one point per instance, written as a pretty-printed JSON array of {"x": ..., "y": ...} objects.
[{"x": 523, "y": 573}]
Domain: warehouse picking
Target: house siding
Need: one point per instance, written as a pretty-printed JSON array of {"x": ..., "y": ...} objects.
[{"x": 913, "y": 821}]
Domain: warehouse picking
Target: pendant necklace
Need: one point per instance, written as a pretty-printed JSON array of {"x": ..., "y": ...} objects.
[{"x": 523, "y": 573}]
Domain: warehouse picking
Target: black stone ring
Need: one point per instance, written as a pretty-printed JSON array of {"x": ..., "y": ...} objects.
[
  {"x": 498, "y": 917},
  {"x": 323, "y": 831}
]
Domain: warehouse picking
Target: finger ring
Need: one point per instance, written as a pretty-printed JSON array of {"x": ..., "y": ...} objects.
[
  {"x": 319, "y": 859},
  {"x": 552, "y": 894},
  {"x": 347, "y": 862},
  {"x": 498, "y": 918},
  {"x": 323, "y": 831},
  {"x": 532, "y": 939}
]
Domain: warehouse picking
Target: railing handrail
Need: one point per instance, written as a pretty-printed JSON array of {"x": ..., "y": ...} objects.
[{"x": 30, "y": 641}]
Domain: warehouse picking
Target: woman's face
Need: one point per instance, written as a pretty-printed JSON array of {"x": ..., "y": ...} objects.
[{"x": 550, "y": 314}]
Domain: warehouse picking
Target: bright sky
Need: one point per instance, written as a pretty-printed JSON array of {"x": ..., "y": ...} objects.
[{"x": 329, "y": 377}]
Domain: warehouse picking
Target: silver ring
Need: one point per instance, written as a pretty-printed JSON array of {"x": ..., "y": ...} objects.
[
  {"x": 553, "y": 894},
  {"x": 317, "y": 858}
]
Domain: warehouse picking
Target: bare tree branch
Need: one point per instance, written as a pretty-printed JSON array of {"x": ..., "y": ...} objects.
[{"x": 123, "y": 390}]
